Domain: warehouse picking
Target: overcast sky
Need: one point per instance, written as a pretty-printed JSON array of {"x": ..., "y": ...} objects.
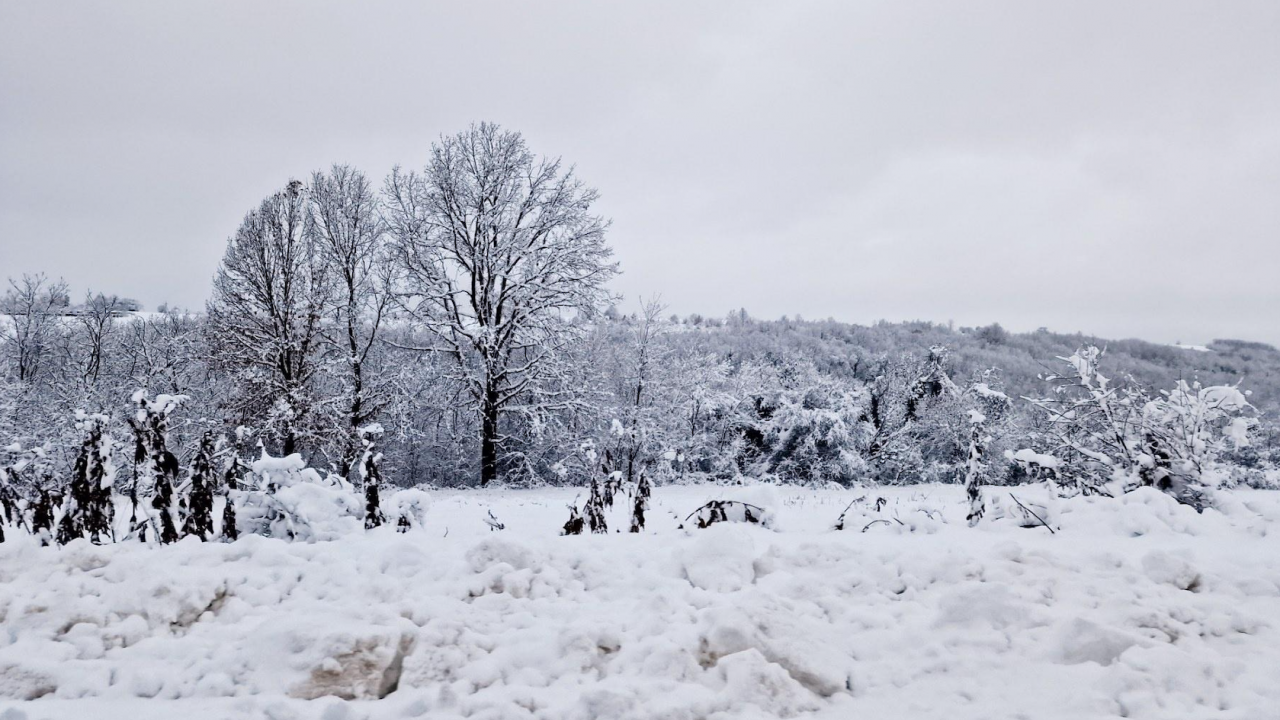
[{"x": 1106, "y": 167}]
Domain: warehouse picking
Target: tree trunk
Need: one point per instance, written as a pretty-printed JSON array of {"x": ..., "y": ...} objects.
[
  {"x": 489, "y": 437},
  {"x": 356, "y": 418}
]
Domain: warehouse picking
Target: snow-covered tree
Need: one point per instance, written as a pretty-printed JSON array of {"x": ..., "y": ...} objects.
[
  {"x": 96, "y": 321},
  {"x": 640, "y": 433},
  {"x": 87, "y": 509},
  {"x": 234, "y": 470},
  {"x": 199, "y": 519},
  {"x": 640, "y": 502},
  {"x": 155, "y": 468},
  {"x": 270, "y": 294},
  {"x": 815, "y": 434},
  {"x": 371, "y": 475},
  {"x": 500, "y": 253},
  {"x": 973, "y": 466},
  {"x": 36, "y": 480},
  {"x": 575, "y": 524},
  {"x": 33, "y": 304},
  {"x": 346, "y": 229},
  {"x": 1185, "y": 432},
  {"x": 595, "y": 509},
  {"x": 10, "y": 493},
  {"x": 986, "y": 408}
]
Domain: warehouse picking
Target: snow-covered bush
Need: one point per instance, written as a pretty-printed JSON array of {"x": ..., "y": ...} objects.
[
  {"x": 291, "y": 501},
  {"x": 408, "y": 508},
  {"x": 575, "y": 524},
  {"x": 816, "y": 436},
  {"x": 1102, "y": 438},
  {"x": 718, "y": 511}
]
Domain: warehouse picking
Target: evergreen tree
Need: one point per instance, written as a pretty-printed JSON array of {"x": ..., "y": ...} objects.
[
  {"x": 87, "y": 508},
  {"x": 640, "y": 503},
  {"x": 371, "y": 475},
  {"x": 9, "y": 510},
  {"x": 45, "y": 493},
  {"x": 233, "y": 476},
  {"x": 28, "y": 494},
  {"x": 199, "y": 519},
  {"x": 595, "y": 509},
  {"x": 574, "y": 525},
  {"x": 973, "y": 468},
  {"x": 158, "y": 466},
  {"x": 42, "y": 515}
]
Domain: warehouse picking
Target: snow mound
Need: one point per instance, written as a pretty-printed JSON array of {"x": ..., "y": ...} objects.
[{"x": 732, "y": 622}]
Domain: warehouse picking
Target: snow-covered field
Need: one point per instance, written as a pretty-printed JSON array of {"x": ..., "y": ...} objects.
[{"x": 1135, "y": 607}]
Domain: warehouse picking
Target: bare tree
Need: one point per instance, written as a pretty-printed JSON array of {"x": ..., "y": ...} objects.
[
  {"x": 501, "y": 253},
  {"x": 163, "y": 352},
  {"x": 34, "y": 304},
  {"x": 346, "y": 230},
  {"x": 97, "y": 320},
  {"x": 269, "y": 295},
  {"x": 641, "y": 432}
]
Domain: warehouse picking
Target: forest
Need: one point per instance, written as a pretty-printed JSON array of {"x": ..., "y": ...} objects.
[{"x": 453, "y": 327}]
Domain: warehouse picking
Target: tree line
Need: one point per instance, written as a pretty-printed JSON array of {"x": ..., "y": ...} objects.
[{"x": 462, "y": 310}]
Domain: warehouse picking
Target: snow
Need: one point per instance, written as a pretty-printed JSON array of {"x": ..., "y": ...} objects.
[
  {"x": 1031, "y": 457},
  {"x": 1228, "y": 398},
  {"x": 984, "y": 390},
  {"x": 267, "y": 464},
  {"x": 1136, "y": 607}
]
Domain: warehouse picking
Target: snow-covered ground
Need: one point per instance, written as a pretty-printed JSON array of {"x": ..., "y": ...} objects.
[{"x": 1135, "y": 607}]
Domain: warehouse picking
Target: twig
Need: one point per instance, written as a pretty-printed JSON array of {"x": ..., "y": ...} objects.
[
  {"x": 1033, "y": 514},
  {"x": 840, "y": 520},
  {"x": 709, "y": 504}
]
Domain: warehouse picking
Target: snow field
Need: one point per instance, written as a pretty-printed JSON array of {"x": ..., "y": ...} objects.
[{"x": 1136, "y": 607}]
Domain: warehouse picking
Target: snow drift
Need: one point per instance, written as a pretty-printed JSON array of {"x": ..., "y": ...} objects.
[{"x": 1137, "y": 607}]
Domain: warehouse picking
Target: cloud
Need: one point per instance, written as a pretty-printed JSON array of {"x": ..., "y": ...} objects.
[{"x": 1096, "y": 166}]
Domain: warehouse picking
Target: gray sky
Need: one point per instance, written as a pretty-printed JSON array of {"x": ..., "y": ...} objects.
[{"x": 1106, "y": 167}]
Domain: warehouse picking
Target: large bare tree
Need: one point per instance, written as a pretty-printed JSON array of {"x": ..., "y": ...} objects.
[
  {"x": 269, "y": 296},
  {"x": 346, "y": 230},
  {"x": 502, "y": 256}
]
